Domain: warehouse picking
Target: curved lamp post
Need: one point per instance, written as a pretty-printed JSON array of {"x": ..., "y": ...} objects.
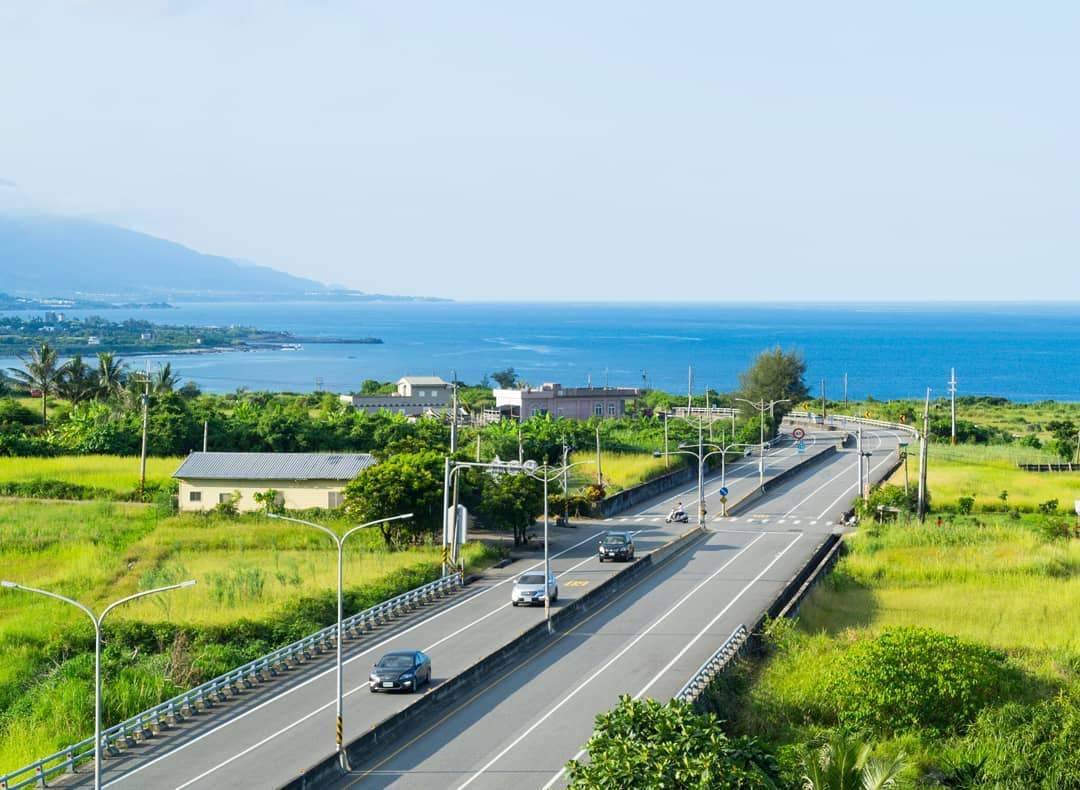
[
  {"x": 339, "y": 541},
  {"x": 701, "y": 459},
  {"x": 547, "y": 473},
  {"x": 762, "y": 406},
  {"x": 97, "y": 621}
]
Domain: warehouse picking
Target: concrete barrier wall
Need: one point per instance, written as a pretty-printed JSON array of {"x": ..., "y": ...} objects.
[
  {"x": 526, "y": 643},
  {"x": 628, "y": 497}
]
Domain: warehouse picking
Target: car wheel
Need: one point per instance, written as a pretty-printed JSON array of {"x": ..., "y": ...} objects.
[
  {"x": 373, "y": 689},
  {"x": 515, "y": 603}
]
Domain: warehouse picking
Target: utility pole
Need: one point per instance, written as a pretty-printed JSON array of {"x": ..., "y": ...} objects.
[
  {"x": 477, "y": 446},
  {"x": 823, "y": 411},
  {"x": 205, "y": 433},
  {"x": 923, "y": 453},
  {"x": 845, "y": 392},
  {"x": 453, "y": 414},
  {"x": 667, "y": 457},
  {"x": 858, "y": 453},
  {"x": 952, "y": 397},
  {"x": 145, "y": 420},
  {"x": 599, "y": 472},
  {"x": 689, "y": 388}
]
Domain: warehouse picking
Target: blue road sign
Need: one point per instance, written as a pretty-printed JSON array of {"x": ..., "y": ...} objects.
[
  {"x": 801, "y": 447},
  {"x": 723, "y": 491}
]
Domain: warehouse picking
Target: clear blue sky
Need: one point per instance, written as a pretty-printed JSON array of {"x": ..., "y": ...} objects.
[{"x": 596, "y": 150}]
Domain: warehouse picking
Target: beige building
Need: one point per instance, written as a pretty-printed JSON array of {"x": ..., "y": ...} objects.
[
  {"x": 302, "y": 480},
  {"x": 415, "y": 396}
]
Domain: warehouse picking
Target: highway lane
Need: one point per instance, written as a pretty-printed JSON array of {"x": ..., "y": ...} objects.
[
  {"x": 521, "y": 728},
  {"x": 277, "y": 730}
]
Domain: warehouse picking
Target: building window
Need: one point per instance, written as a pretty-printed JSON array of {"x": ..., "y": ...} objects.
[
  {"x": 335, "y": 499},
  {"x": 223, "y": 498},
  {"x": 421, "y": 393},
  {"x": 195, "y": 496},
  {"x": 611, "y": 409},
  {"x": 598, "y": 410},
  {"x": 535, "y": 411}
]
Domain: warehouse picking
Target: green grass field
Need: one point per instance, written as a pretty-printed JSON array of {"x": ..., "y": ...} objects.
[
  {"x": 1002, "y": 582},
  {"x": 621, "y": 470},
  {"x": 984, "y": 471},
  {"x": 247, "y": 568},
  {"x": 111, "y": 472}
]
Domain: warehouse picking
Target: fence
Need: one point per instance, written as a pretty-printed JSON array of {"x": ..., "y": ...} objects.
[{"x": 157, "y": 718}]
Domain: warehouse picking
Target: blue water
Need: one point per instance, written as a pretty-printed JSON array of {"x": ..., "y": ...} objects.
[{"x": 1023, "y": 352}]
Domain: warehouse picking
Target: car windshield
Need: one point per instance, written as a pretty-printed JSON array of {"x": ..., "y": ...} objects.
[
  {"x": 531, "y": 578},
  {"x": 395, "y": 662},
  {"x": 614, "y": 540}
]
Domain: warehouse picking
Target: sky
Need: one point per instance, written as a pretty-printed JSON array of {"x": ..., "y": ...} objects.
[{"x": 566, "y": 150}]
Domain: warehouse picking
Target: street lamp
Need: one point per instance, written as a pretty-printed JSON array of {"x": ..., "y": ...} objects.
[
  {"x": 339, "y": 541},
  {"x": 698, "y": 423},
  {"x": 762, "y": 407},
  {"x": 97, "y": 621},
  {"x": 546, "y": 473},
  {"x": 718, "y": 450}
]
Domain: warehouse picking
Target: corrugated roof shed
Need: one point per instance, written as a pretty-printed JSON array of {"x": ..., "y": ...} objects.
[
  {"x": 273, "y": 466},
  {"x": 424, "y": 381}
]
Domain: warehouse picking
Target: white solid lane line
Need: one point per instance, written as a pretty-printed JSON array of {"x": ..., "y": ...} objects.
[
  {"x": 348, "y": 693},
  {"x": 326, "y": 672},
  {"x": 604, "y": 668},
  {"x": 689, "y": 645}
]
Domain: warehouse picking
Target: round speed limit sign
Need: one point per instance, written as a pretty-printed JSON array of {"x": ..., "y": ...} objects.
[{"x": 798, "y": 433}]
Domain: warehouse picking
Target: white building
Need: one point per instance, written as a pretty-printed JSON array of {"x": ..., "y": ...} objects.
[
  {"x": 415, "y": 396},
  {"x": 302, "y": 480}
]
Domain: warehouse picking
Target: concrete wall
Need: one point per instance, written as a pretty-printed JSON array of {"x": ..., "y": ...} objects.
[{"x": 298, "y": 494}]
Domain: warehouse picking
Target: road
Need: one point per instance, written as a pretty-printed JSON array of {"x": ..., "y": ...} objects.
[
  {"x": 521, "y": 729},
  {"x": 273, "y": 732}
]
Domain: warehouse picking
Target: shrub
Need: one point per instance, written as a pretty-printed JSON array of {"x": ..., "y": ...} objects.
[
  {"x": 1028, "y": 745},
  {"x": 913, "y": 678},
  {"x": 645, "y": 743},
  {"x": 1049, "y": 507},
  {"x": 965, "y": 505}
]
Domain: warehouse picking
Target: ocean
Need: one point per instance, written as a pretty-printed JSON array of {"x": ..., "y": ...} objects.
[{"x": 1024, "y": 352}]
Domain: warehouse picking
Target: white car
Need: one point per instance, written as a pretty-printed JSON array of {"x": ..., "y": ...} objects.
[{"x": 529, "y": 589}]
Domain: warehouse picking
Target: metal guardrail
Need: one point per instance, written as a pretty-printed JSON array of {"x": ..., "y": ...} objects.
[
  {"x": 146, "y": 724},
  {"x": 847, "y": 419},
  {"x": 715, "y": 664}
]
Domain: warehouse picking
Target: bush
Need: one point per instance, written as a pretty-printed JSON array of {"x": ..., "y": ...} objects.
[
  {"x": 1049, "y": 507},
  {"x": 911, "y": 678},
  {"x": 1028, "y": 745},
  {"x": 648, "y": 744},
  {"x": 886, "y": 496},
  {"x": 965, "y": 505}
]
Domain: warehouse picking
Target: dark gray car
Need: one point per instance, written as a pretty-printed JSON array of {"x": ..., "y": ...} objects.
[{"x": 401, "y": 670}]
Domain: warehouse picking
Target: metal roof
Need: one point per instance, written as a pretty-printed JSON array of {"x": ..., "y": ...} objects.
[
  {"x": 424, "y": 381},
  {"x": 273, "y": 466}
]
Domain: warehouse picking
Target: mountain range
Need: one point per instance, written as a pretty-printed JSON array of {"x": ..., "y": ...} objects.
[{"x": 65, "y": 257}]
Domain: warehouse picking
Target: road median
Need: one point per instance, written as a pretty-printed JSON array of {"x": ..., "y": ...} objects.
[{"x": 437, "y": 700}]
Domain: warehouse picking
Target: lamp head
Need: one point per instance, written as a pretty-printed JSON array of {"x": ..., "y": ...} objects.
[
  {"x": 656, "y": 454},
  {"x": 188, "y": 583},
  {"x": 9, "y": 585},
  {"x": 530, "y": 466}
]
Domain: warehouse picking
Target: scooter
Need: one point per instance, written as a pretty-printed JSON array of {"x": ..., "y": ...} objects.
[{"x": 680, "y": 517}]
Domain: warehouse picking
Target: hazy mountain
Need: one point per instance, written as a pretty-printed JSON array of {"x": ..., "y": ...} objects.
[{"x": 60, "y": 256}]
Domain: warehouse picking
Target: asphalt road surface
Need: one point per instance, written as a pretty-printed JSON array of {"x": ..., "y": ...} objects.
[
  {"x": 520, "y": 729},
  {"x": 273, "y": 732}
]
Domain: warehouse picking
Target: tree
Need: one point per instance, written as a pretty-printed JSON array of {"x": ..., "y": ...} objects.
[
  {"x": 649, "y": 744},
  {"x": 41, "y": 371},
  {"x": 79, "y": 382},
  {"x": 775, "y": 375},
  {"x": 110, "y": 375},
  {"x": 842, "y": 763},
  {"x": 164, "y": 379},
  {"x": 406, "y": 483},
  {"x": 510, "y": 501},
  {"x": 506, "y": 379}
]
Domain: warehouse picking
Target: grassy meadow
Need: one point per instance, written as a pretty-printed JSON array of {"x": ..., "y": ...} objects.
[
  {"x": 119, "y": 474},
  {"x": 1011, "y": 584},
  {"x": 984, "y": 471},
  {"x": 621, "y": 470},
  {"x": 248, "y": 569}
]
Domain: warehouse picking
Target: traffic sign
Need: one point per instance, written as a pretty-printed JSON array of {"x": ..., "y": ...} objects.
[
  {"x": 801, "y": 447},
  {"x": 723, "y": 490},
  {"x": 723, "y": 500},
  {"x": 798, "y": 433},
  {"x": 1077, "y": 505}
]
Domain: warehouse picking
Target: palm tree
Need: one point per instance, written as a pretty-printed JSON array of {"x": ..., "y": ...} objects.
[
  {"x": 110, "y": 375},
  {"x": 843, "y": 763},
  {"x": 164, "y": 380},
  {"x": 41, "y": 371},
  {"x": 79, "y": 382}
]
